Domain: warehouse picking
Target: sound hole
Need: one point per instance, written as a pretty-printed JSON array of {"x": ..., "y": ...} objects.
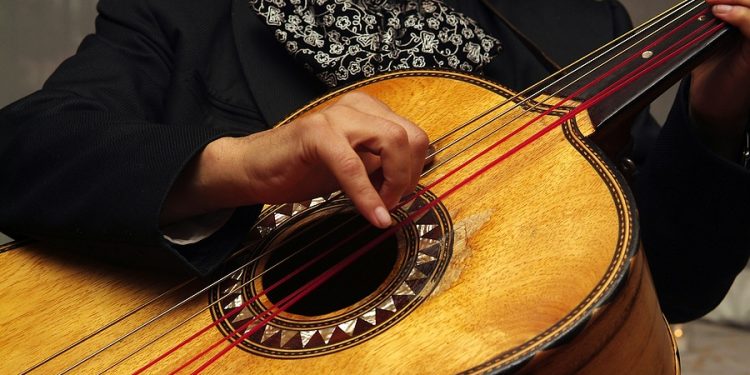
[{"x": 344, "y": 289}]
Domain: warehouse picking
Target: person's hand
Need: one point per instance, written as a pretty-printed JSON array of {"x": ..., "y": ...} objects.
[
  {"x": 720, "y": 88},
  {"x": 357, "y": 145}
]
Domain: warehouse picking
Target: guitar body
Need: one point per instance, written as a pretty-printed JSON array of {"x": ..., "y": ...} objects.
[{"x": 533, "y": 267}]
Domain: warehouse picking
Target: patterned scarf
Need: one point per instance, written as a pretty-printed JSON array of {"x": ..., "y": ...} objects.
[{"x": 342, "y": 41}]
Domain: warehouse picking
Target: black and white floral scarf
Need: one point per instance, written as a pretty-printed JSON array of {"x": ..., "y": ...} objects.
[{"x": 342, "y": 41}]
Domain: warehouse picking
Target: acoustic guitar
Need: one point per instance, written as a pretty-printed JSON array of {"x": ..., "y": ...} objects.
[{"x": 518, "y": 253}]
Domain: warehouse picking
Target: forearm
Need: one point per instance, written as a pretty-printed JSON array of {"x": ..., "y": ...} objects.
[{"x": 87, "y": 174}]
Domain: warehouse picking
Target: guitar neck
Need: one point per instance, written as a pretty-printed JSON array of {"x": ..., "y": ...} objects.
[{"x": 621, "y": 78}]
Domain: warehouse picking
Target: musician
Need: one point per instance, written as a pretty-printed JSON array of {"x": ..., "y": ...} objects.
[{"x": 155, "y": 139}]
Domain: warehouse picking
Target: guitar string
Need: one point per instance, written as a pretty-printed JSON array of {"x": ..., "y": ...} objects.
[
  {"x": 283, "y": 300},
  {"x": 199, "y": 293},
  {"x": 239, "y": 308},
  {"x": 263, "y": 292},
  {"x": 496, "y": 117},
  {"x": 254, "y": 298},
  {"x": 615, "y": 87},
  {"x": 302, "y": 291},
  {"x": 586, "y": 61},
  {"x": 570, "y": 115},
  {"x": 193, "y": 296},
  {"x": 108, "y": 325}
]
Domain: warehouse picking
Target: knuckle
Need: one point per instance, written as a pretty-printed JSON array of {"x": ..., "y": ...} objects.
[
  {"x": 349, "y": 165},
  {"x": 359, "y": 96},
  {"x": 420, "y": 140},
  {"x": 398, "y": 178},
  {"x": 362, "y": 190},
  {"x": 334, "y": 114},
  {"x": 354, "y": 98},
  {"x": 316, "y": 120},
  {"x": 360, "y": 99},
  {"x": 336, "y": 109},
  {"x": 395, "y": 133}
]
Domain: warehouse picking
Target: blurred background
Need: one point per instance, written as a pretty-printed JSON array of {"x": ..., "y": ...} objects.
[{"x": 36, "y": 35}]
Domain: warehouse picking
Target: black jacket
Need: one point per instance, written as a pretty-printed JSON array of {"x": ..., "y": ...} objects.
[{"x": 93, "y": 154}]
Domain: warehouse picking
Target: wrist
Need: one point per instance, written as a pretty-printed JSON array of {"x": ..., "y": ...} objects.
[{"x": 210, "y": 182}]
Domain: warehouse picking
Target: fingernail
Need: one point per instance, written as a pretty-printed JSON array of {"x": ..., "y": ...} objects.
[
  {"x": 722, "y": 9},
  {"x": 383, "y": 217}
]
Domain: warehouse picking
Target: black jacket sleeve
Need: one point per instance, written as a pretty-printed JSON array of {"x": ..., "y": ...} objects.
[
  {"x": 695, "y": 217},
  {"x": 89, "y": 157},
  {"x": 694, "y": 209}
]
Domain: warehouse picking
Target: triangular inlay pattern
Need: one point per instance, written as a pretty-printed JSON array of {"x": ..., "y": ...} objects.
[
  {"x": 316, "y": 202},
  {"x": 286, "y": 210},
  {"x": 280, "y": 218},
  {"x": 426, "y": 243},
  {"x": 287, "y": 335},
  {"x": 244, "y": 314},
  {"x": 415, "y": 274},
  {"x": 306, "y": 336},
  {"x": 348, "y": 327},
  {"x": 299, "y": 207},
  {"x": 424, "y": 258},
  {"x": 269, "y": 332},
  {"x": 424, "y": 229},
  {"x": 236, "y": 302},
  {"x": 326, "y": 334},
  {"x": 369, "y": 317},
  {"x": 388, "y": 305},
  {"x": 233, "y": 287},
  {"x": 404, "y": 290}
]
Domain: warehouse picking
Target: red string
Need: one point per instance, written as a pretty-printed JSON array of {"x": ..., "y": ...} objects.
[
  {"x": 265, "y": 291},
  {"x": 300, "y": 293},
  {"x": 246, "y": 303}
]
